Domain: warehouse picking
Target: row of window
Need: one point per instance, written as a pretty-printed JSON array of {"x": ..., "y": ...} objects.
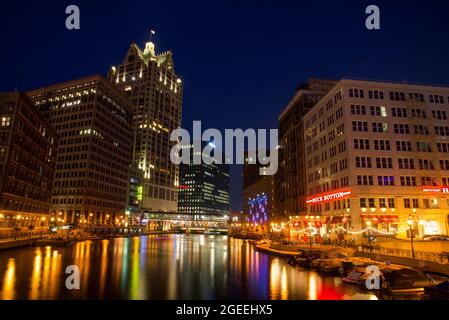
[
  {"x": 407, "y": 203},
  {"x": 399, "y": 128},
  {"x": 403, "y": 163},
  {"x": 397, "y": 112},
  {"x": 395, "y": 96},
  {"x": 405, "y": 181},
  {"x": 401, "y": 145}
]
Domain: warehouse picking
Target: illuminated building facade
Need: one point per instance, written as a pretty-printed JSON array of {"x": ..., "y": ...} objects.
[
  {"x": 27, "y": 162},
  {"x": 204, "y": 189},
  {"x": 135, "y": 197},
  {"x": 150, "y": 82},
  {"x": 93, "y": 121},
  {"x": 258, "y": 197},
  {"x": 377, "y": 157},
  {"x": 290, "y": 180}
]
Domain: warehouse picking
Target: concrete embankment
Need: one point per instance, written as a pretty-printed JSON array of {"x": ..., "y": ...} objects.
[
  {"x": 278, "y": 251},
  {"x": 16, "y": 244}
]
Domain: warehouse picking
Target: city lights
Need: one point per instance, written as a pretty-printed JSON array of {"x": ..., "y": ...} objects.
[{"x": 301, "y": 187}]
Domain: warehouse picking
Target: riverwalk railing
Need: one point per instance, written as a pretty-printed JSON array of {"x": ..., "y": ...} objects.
[
  {"x": 440, "y": 257},
  {"x": 15, "y": 236}
]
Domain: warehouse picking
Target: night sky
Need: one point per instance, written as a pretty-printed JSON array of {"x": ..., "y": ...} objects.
[{"x": 240, "y": 61}]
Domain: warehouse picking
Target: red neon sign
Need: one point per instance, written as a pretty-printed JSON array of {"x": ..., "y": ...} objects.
[
  {"x": 435, "y": 189},
  {"x": 328, "y": 197}
]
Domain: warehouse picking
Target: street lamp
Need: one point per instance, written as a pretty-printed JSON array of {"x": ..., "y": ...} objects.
[
  {"x": 311, "y": 234},
  {"x": 368, "y": 229},
  {"x": 410, "y": 224}
]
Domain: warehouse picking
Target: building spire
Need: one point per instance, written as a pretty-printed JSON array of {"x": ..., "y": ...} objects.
[{"x": 149, "y": 46}]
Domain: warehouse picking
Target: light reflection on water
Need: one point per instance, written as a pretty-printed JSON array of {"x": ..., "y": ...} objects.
[{"x": 163, "y": 267}]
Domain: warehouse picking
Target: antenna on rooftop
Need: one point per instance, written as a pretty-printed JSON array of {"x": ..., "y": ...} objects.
[{"x": 152, "y": 33}]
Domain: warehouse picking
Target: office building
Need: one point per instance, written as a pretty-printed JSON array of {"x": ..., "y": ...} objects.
[
  {"x": 28, "y": 146},
  {"x": 377, "y": 157},
  {"x": 290, "y": 180},
  {"x": 150, "y": 82},
  {"x": 204, "y": 189},
  {"x": 258, "y": 196},
  {"x": 93, "y": 121}
]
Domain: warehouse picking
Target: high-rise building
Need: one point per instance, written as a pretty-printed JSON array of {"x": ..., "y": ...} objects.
[
  {"x": 150, "y": 81},
  {"x": 377, "y": 156},
  {"x": 27, "y": 162},
  {"x": 204, "y": 189},
  {"x": 93, "y": 121},
  {"x": 258, "y": 196},
  {"x": 290, "y": 180}
]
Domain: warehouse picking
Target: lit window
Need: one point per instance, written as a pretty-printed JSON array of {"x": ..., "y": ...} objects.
[{"x": 6, "y": 121}]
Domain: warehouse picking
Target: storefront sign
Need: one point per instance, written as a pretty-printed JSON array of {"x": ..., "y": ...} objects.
[
  {"x": 436, "y": 189},
  {"x": 328, "y": 197}
]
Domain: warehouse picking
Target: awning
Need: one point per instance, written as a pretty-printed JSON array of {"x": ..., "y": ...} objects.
[
  {"x": 305, "y": 223},
  {"x": 313, "y": 224},
  {"x": 388, "y": 218},
  {"x": 370, "y": 217},
  {"x": 336, "y": 220}
]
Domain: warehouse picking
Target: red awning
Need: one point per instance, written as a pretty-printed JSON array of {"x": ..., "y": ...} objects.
[
  {"x": 389, "y": 218},
  {"x": 304, "y": 221},
  {"x": 314, "y": 224},
  {"x": 307, "y": 224},
  {"x": 370, "y": 217},
  {"x": 336, "y": 220}
]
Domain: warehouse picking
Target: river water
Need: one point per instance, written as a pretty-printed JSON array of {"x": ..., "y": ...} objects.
[{"x": 163, "y": 267}]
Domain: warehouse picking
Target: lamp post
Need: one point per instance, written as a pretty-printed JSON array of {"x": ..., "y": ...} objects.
[
  {"x": 368, "y": 229},
  {"x": 410, "y": 224},
  {"x": 311, "y": 234}
]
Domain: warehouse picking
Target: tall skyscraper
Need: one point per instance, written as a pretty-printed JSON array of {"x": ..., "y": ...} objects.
[
  {"x": 93, "y": 121},
  {"x": 150, "y": 81},
  {"x": 27, "y": 162},
  {"x": 290, "y": 180},
  {"x": 204, "y": 189}
]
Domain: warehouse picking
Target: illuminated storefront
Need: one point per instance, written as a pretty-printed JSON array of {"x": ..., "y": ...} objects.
[
  {"x": 345, "y": 214},
  {"x": 375, "y": 160}
]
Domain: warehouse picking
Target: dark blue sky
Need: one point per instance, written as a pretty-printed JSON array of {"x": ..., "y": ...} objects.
[{"x": 240, "y": 60}]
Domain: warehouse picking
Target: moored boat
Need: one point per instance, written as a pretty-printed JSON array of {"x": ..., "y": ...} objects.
[
  {"x": 439, "y": 291},
  {"x": 354, "y": 277},
  {"x": 408, "y": 282}
]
